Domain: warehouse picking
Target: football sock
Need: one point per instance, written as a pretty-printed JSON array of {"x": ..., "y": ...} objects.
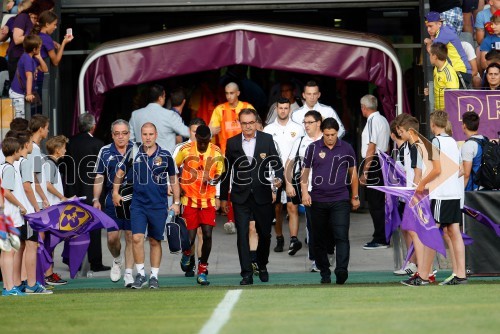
[
  {"x": 154, "y": 272},
  {"x": 140, "y": 268}
]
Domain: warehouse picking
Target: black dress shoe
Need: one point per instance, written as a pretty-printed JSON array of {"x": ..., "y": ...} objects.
[
  {"x": 247, "y": 281},
  {"x": 341, "y": 277},
  {"x": 264, "y": 275},
  {"x": 326, "y": 280},
  {"x": 99, "y": 267}
]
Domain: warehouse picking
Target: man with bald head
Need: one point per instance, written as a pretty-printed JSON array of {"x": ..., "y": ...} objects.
[
  {"x": 224, "y": 124},
  {"x": 153, "y": 169}
]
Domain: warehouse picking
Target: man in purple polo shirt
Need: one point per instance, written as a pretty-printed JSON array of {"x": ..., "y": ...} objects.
[{"x": 333, "y": 164}]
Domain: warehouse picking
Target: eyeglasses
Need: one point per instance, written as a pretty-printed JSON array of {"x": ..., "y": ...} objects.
[
  {"x": 309, "y": 123},
  {"x": 118, "y": 133},
  {"x": 247, "y": 123}
]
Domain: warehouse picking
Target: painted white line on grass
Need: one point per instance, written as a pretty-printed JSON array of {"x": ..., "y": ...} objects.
[{"x": 222, "y": 313}]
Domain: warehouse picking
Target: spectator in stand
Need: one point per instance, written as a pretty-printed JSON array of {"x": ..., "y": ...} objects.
[
  {"x": 492, "y": 77},
  {"x": 483, "y": 17},
  {"x": 440, "y": 33},
  {"x": 450, "y": 12},
  {"x": 471, "y": 56},
  {"x": 46, "y": 25},
  {"x": 491, "y": 41},
  {"x": 469, "y": 11},
  {"x": 493, "y": 56},
  {"x": 12, "y": 6},
  {"x": 23, "y": 24},
  {"x": 6, "y": 31}
]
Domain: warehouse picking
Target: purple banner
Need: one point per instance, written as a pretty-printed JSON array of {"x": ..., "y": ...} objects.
[{"x": 486, "y": 103}]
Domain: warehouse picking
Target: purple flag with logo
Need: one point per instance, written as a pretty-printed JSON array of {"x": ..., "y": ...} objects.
[
  {"x": 71, "y": 220},
  {"x": 393, "y": 175},
  {"x": 418, "y": 218},
  {"x": 482, "y": 218}
]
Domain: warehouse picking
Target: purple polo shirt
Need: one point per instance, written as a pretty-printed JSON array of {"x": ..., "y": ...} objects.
[
  {"x": 26, "y": 64},
  {"x": 23, "y": 22},
  {"x": 329, "y": 170}
]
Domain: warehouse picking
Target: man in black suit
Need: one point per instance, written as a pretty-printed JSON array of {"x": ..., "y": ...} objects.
[
  {"x": 250, "y": 156},
  {"x": 83, "y": 150}
]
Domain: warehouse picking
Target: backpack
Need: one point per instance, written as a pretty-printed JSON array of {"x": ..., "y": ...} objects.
[{"x": 488, "y": 174}]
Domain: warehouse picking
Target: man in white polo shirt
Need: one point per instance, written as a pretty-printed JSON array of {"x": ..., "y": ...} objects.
[
  {"x": 311, "y": 96},
  {"x": 376, "y": 134},
  {"x": 285, "y": 132}
]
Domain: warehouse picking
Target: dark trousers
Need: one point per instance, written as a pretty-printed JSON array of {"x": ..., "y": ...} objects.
[
  {"x": 310, "y": 237},
  {"x": 263, "y": 216},
  {"x": 376, "y": 201},
  {"x": 331, "y": 218}
]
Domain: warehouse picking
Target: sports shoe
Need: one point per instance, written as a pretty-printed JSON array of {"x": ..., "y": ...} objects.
[
  {"x": 456, "y": 281},
  {"x": 432, "y": 278},
  {"x": 153, "y": 283},
  {"x": 447, "y": 279},
  {"x": 230, "y": 227},
  {"x": 185, "y": 262},
  {"x": 202, "y": 279},
  {"x": 255, "y": 268},
  {"x": 116, "y": 271},
  {"x": 5, "y": 245},
  {"x": 295, "y": 246},
  {"x": 375, "y": 245},
  {"x": 15, "y": 242},
  {"x": 37, "y": 289},
  {"x": 409, "y": 269},
  {"x": 12, "y": 292},
  {"x": 415, "y": 280},
  {"x": 22, "y": 287},
  {"x": 314, "y": 269},
  {"x": 139, "y": 282},
  {"x": 54, "y": 279},
  {"x": 280, "y": 242},
  {"x": 128, "y": 280}
]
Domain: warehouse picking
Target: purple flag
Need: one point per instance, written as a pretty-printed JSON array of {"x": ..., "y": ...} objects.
[
  {"x": 482, "y": 218},
  {"x": 418, "y": 218},
  {"x": 393, "y": 175},
  {"x": 71, "y": 220}
]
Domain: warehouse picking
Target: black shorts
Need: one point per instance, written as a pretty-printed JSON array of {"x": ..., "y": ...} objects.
[
  {"x": 27, "y": 233},
  {"x": 447, "y": 211},
  {"x": 295, "y": 200},
  {"x": 469, "y": 5}
]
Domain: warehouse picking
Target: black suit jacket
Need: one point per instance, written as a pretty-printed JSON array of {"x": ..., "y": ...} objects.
[
  {"x": 250, "y": 178},
  {"x": 82, "y": 152}
]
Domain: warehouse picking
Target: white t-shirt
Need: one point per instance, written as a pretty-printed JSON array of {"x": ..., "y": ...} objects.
[
  {"x": 284, "y": 136},
  {"x": 304, "y": 143},
  {"x": 376, "y": 131},
  {"x": 324, "y": 110},
  {"x": 273, "y": 111}
]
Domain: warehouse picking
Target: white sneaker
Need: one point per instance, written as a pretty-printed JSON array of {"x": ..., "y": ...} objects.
[
  {"x": 230, "y": 228},
  {"x": 128, "y": 279},
  {"x": 314, "y": 269},
  {"x": 409, "y": 269},
  {"x": 116, "y": 271}
]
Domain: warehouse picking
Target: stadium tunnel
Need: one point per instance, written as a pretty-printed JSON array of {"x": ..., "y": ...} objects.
[{"x": 316, "y": 51}]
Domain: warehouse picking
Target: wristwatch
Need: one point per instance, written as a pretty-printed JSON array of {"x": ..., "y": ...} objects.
[
  {"x": 356, "y": 197},
  {"x": 177, "y": 203}
]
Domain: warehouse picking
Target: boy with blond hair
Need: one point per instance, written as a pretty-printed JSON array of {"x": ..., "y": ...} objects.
[{"x": 445, "y": 192}]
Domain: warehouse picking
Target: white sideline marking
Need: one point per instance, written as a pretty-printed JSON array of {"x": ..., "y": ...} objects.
[{"x": 221, "y": 313}]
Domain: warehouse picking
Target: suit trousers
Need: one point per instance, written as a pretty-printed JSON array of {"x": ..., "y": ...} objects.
[
  {"x": 263, "y": 215},
  {"x": 327, "y": 219}
]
